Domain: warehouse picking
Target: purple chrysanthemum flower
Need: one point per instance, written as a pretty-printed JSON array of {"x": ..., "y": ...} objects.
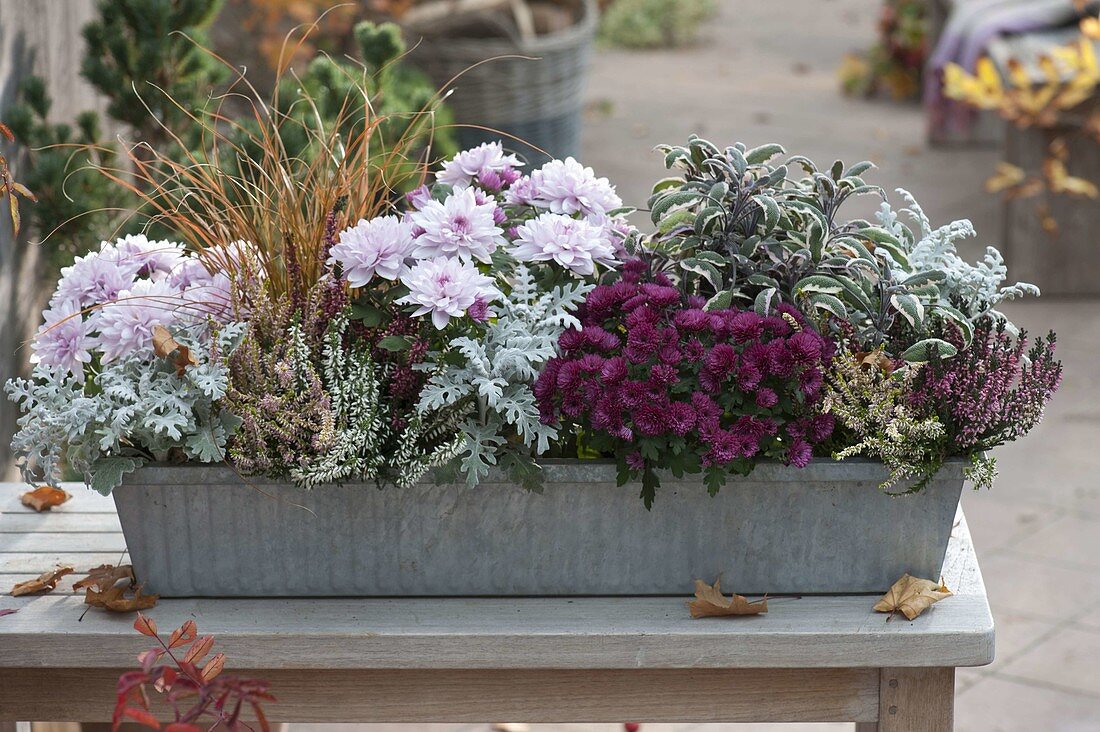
[
  {"x": 567, "y": 187},
  {"x": 572, "y": 243},
  {"x": 418, "y": 197},
  {"x": 126, "y": 325},
  {"x": 458, "y": 227},
  {"x": 446, "y": 288},
  {"x": 521, "y": 192},
  {"x": 376, "y": 247},
  {"x": 62, "y": 340},
  {"x": 766, "y": 398},
  {"x": 805, "y": 347},
  {"x": 463, "y": 168}
]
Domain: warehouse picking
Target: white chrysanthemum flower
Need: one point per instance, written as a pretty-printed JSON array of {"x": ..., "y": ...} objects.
[
  {"x": 459, "y": 227},
  {"x": 126, "y": 325},
  {"x": 376, "y": 247},
  {"x": 467, "y": 165},
  {"x": 575, "y": 244},
  {"x": 447, "y": 288},
  {"x": 567, "y": 187}
]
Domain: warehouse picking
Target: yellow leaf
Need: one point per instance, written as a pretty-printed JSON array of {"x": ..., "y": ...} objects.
[
  {"x": 1060, "y": 181},
  {"x": 710, "y": 602},
  {"x": 1007, "y": 176},
  {"x": 911, "y": 596}
]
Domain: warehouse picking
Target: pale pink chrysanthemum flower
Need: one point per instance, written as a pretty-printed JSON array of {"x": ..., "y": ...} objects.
[
  {"x": 488, "y": 157},
  {"x": 376, "y": 247},
  {"x": 447, "y": 288},
  {"x": 63, "y": 340},
  {"x": 152, "y": 259},
  {"x": 567, "y": 187},
  {"x": 458, "y": 227},
  {"x": 126, "y": 325},
  {"x": 95, "y": 278},
  {"x": 575, "y": 244},
  {"x": 520, "y": 193}
]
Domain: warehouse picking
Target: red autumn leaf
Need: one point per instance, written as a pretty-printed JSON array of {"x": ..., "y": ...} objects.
[
  {"x": 183, "y": 634},
  {"x": 141, "y": 717},
  {"x": 146, "y": 626},
  {"x": 199, "y": 649},
  {"x": 8, "y": 611},
  {"x": 213, "y": 667},
  {"x": 181, "y": 727}
]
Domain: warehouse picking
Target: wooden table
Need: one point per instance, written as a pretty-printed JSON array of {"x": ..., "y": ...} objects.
[{"x": 809, "y": 659}]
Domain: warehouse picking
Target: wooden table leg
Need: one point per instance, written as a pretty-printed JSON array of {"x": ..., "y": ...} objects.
[{"x": 915, "y": 700}]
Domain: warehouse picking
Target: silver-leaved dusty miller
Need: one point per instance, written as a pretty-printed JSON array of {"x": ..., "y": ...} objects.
[
  {"x": 494, "y": 375},
  {"x": 139, "y": 400}
]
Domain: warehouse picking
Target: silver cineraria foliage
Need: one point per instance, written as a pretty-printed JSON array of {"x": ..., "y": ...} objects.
[
  {"x": 136, "y": 408},
  {"x": 978, "y": 287},
  {"x": 492, "y": 375},
  {"x": 363, "y": 442}
]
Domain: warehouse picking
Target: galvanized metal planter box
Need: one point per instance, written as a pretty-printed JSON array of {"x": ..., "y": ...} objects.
[{"x": 203, "y": 531}]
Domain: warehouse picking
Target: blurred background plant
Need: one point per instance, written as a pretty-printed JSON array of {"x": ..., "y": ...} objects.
[
  {"x": 1056, "y": 92},
  {"x": 654, "y": 23},
  {"x": 150, "y": 61},
  {"x": 895, "y": 63}
]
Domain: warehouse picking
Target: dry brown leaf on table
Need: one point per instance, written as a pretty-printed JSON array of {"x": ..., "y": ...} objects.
[
  {"x": 46, "y": 582},
  {"x": 709, "y": 602},
  {"x": 911, "y": 596},
  {"x": 164, "y": 345},
  {"x": 115, "y": 599},
  {"x": 106, "y": 586},
  {"x": 105, "y": 576},
  {"x": 44, "y": 498}
]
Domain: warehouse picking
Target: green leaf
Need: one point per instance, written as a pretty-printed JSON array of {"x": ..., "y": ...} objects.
[
  {"x": 922, "y": 351},
  {"x": 368, "y": 315},
  {"x": 705, "y": 269},
  {"x": 674, "y": 220},
  {"x": 771, "y": 211},
  {"x": 650, "y": 484},
  {"x": 828, "y": 303},
  {"x": 922, "y": 278},
  {"x": 666, "y": 201},
  {"x": 394, "y": 343},
  {"x": 960, "y": 319},
  {"x": 763, "y": 303},
  {"x": 763, "y": 153},
  {"x": 819, "y": 283},
  {"x": 107, "y": 472},
  {"x": 909, "y": 306},
  {"x": 715, "y": 478},
  {"x": 718, "y": 260},
  {"x": 720, "y": 301}
]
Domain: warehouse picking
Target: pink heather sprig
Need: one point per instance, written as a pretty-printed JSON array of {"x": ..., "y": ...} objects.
[
  {"x": 989, "y": 393},
  {"x": 656, "y": 380}
]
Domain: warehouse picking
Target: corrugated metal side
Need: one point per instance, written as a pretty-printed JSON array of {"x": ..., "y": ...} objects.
[{"x": 203, "y": 531}]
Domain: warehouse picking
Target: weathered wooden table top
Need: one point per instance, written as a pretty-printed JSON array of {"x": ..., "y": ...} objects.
[{"x": 53, "y": 631}]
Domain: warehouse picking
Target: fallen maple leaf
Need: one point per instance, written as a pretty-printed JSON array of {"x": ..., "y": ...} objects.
[
  {"x": 164, "y": 345},
  {"x": 45, "y": 582},
  {"x": 911, "y": 596},
  {"x": 44, "y": 498},
  {"x": 106, "y": 586},
  {"x": 105, "y": 576},
  {"x": 710, "y": 602},
  {"x": 115, "y": 599}
]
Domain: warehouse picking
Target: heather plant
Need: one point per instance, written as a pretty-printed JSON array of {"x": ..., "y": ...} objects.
[
  {"x": 991, "y": 393},
  {"x": 656, "y": 380},
  {"x": 876, "y": 420}
]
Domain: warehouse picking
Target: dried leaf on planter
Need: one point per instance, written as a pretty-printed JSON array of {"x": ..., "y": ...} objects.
[
  {"x": 44, "y": 498},
  {"x": 105, "y": 576},
  {"x": 710, "y": 602},
  {"x": 46, "y": 582},
  {"x": 115, "y": 599},
  {"x": 875, "y": 359},
  {"x": 911, "y": 596},
  {"x": 164, "y": 345}
]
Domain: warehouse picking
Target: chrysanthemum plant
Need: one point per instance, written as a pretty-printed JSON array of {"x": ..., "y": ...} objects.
[{"x": 324, "y": 328}]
